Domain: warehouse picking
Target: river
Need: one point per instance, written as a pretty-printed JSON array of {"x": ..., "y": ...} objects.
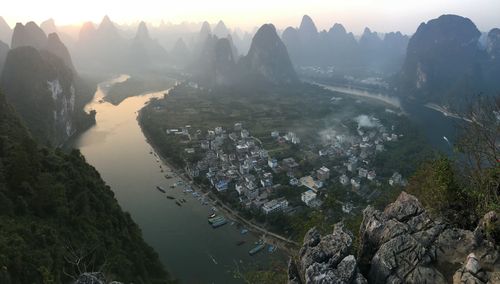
[{"x": 190, "y": 249}]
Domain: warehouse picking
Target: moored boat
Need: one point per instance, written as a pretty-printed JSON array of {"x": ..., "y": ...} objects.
[
  {"x": 170, "y": 197},
  {"x": 160, "y": 189},
  {"x": 256, "y": 249}
]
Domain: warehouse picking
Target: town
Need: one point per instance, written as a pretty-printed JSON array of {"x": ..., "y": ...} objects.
[{"x": 233, "y": 159}]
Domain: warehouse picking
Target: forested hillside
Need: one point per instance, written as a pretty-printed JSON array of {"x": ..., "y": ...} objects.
[{"x": 58, "y": 218}]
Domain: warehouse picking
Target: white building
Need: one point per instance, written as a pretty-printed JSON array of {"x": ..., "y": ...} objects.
[
  {"x": 356, "y": 182},
  {"x": 308, "y": 196},
  {"x": 272, "y": 163},
  {"x": 275, "y": 205},
  {"x": 371, "y": 175},
  {"x": 344, "y": 180},
  {"x": 275, "y": 134}
]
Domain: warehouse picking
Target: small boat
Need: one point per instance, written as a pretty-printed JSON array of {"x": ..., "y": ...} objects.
[
  {"x": 216, "y": 219},
  {"x": 178, "y": 203},
  {"x": 172, "y": 186},
  {"x": 160, "y": 189},
  {"x": 243, "y": 231},
  {"x": 168, "y": 177},
  {"x": 240, "y": 243},
  {"x": 183, "y": 200},
  {"x": 170, "y": 197},
  {"x": 219, "y": 223},
  {"x": 212, "y": 215},
  {"x": 256, "y": 249}
]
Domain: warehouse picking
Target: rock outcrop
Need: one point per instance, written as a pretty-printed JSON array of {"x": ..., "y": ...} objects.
[
  {"x": 93, "y": 278},
  {"x": 402, "y": 244},
  {"x": 326, "y": 259}
]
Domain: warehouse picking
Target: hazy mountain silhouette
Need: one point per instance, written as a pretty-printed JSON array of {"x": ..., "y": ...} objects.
[
  {"x": 5, "y": 31},
  {"x": 49, "y": 26},
  {"x": 336, "y": 47},
  {"x": 221, "y": 30},
  {"x": 28, "y": 35},
  {"x": 4, "y": 49},
  {"x": 57, "y": 47},
  {"x": 268, "y": 57},
  {"x": 180, "y": 54},
  {"x": 145, "y": 51}
]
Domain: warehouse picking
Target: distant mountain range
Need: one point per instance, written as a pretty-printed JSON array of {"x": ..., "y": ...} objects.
[
  {"x": 338, "y": 48},
  {"x": 446, "y": 62},
  {"x": 266, "y": 61}
]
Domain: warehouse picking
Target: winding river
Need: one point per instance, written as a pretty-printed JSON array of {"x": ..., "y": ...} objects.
[{"x": 190, "y": 249}]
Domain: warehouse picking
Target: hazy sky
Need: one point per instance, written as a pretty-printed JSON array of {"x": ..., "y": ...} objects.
[{"x": 379, "y": 15}]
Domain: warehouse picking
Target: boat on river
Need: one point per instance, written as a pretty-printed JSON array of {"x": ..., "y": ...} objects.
[
  {"x": 178, "y": 203},
  {"x": 170, "y": 197},
  {"x": 219, "y": 223},
  {"x": 160, "y": 189},
  {"x": 240, "y": 243},
  {"x": 216, "y": 219},
  {"x": 257, "y": 248}
]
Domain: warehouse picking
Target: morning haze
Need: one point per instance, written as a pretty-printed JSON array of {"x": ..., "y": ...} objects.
[{"x": 299, "y": 142}]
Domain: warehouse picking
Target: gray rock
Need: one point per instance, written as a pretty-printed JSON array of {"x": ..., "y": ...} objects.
[
  {"x": 403, "y": 244},
  {"x": 326, "y": 259},
  {"x": 91, "y": 278}
]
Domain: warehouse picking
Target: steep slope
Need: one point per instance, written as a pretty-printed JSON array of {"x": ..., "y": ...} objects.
[
  {"x": 56, "y": 211},
  {"x": 145, "y": 51},
  {"x": 4, "y": 49},
  {"x": 42, "y": 90},
  {"x": 56, "y": 47},
  {"x": 5, "y": 31},
  {"x": 268, "y": 57},
  {"x": 443, "y": 60}
]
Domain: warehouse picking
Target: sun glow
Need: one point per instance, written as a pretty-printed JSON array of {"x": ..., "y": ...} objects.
[{"x": 381, "y": 15}]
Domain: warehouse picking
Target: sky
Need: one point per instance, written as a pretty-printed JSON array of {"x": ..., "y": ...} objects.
[{"x": 379, "y": 15}]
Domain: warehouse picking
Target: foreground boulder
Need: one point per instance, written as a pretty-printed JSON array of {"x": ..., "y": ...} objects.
[
  {"x": 403, "y": 244},
  {"x": 326, "y": 259}
]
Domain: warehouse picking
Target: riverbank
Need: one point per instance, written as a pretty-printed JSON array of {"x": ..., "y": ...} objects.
[{"x": 288, "y": 246}]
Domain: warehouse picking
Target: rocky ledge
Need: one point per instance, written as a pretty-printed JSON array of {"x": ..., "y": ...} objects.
[{"x": 402, "y": 244}]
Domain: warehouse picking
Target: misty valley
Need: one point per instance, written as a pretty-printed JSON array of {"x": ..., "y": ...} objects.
[{"x": 202, "y": 153}]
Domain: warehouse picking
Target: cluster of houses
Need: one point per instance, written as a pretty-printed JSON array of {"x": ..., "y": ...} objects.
[
  {"x": 234, "y": 159},
  {"x": 358, "y": 152}
]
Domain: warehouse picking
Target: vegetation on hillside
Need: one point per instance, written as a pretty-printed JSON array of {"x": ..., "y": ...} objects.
[
  {"x": 465, "y": 187},
  {"x": 58, "y": 218}
]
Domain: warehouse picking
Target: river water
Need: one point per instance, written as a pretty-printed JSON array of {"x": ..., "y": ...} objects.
[{"x": 189, "y": 248}]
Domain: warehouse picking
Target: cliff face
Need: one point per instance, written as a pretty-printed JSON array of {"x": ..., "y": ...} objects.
[
  {"x": 403, "y": 244},
  {"x": 41, "y": 88}
]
